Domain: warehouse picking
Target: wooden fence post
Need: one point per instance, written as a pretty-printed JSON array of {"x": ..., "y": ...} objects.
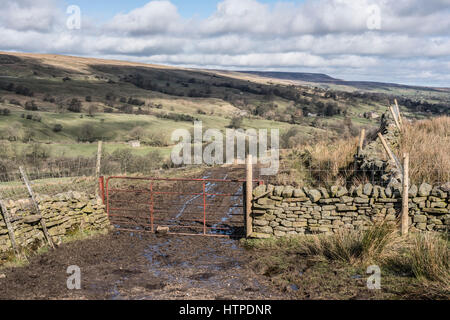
[
  {"x": 249, "y": 196},
  {"x": 98, "y": 166},
  {"x": 397, "y": 123},
  {"x": 400, "y": 120},
  {"x": 10, "y": 228},
  {"x": 386, "y": 147},
  {"x": 361, "y": 141},
  {"x": 405, "y": 208},
  {"x": 36, "y": 207}
]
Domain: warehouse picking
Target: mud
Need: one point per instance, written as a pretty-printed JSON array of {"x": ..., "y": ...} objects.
[
  {"x": 137, "y": 265},
  {"x": 142, "y": 266}
]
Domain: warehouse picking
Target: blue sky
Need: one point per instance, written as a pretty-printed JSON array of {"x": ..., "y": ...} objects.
[
  {"x": 405, "y": 41},
  {"x": 106, "y": 9}
]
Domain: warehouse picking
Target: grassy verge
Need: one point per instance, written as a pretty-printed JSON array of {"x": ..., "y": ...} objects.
[
  {"x": 9, "y": 260},
  {"x": 335, "y": 267}
]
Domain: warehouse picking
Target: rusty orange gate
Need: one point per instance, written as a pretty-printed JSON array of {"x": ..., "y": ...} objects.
[{"x": 208, "y": 207}]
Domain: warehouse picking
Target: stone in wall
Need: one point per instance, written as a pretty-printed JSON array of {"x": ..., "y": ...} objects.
[
  {"x": 284, "y": 210},
  {"x": 62, "y": 213}
]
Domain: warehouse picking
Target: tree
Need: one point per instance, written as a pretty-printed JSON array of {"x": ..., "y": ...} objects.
[
  {"x": 74, "y": 105},
  {"x": 87, "y": 133},
  {"x": 236, "y": 123},
  {"x": 92, "y": 110},
  {"x": 137, "y": 133}
]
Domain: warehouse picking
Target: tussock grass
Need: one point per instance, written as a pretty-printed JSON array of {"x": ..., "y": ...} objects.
[
  {"x": 428, "y": 145},
  {"x": 353, "y": 246},
  {"x": 430, "y": 258}
]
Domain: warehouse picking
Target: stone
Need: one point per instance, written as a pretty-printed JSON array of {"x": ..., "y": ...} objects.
[
  {"x": 278, "y": 191},
  {"x": 388, "y": 192},
  {"x": 425, "y": 190},
  {"x": 162, "y": 230},
  {"x": 265, "y": 229},
  {"x": 259, "y": 191},
  {"x": 334, "y": 190},
  {"x": 287, "y": 192},
  {"x": 324, "y": 193},
  {"x": 314, "y": 195},
  {"x": 413, "y": 190},
  {"x": 343, "y": 207},
  {"x": 298, "y": 193},
  {"x": 420, "y": 218},
  {"x": 421, "y": 226},
  {"x": 438, "y": 193},
  {"x": 257, "y": 235},
  {"x": 32, "y": 219},
  {"x": 361, "y": 200},
  {"x": 367, "y": 190},
  {"x": 342, "y": 191},
  {"x": 260, "y": 222}
]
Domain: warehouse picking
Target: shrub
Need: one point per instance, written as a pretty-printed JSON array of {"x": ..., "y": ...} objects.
[
  {"x": 74, "y": 105},
  {"x": 352, "y": 246},
  {"x": 236, "y": 123},
  {"x": 6, "y": 112},
  {"x": 31, "y": 106},
  {"x": 57, "y": 127}
]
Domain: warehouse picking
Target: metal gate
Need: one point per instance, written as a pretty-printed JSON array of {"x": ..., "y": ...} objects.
[{"x": 207, "y": 207}]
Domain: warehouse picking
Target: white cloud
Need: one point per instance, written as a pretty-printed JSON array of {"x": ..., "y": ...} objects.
[{"x": 331, "y": 36}]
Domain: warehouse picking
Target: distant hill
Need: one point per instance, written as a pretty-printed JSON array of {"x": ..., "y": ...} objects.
[
  {"x": 320, "y": 78},
  {"x": 296, "y": 76}
]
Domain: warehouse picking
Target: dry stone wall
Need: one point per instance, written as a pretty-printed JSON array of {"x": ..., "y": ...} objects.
[
  {"x": 62, "y": 213},
  {"x": 284, "y": 210}
]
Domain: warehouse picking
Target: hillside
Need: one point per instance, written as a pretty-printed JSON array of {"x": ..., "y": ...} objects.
[{"x": 66, "y": 101}]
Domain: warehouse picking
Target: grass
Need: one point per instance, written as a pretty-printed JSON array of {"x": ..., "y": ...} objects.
[
  {"x": 9, "y": 260},
  {"x": 334, "y": 266},
  {"x": 428, "y": 145},
  {"x": 430, "y": 259}
]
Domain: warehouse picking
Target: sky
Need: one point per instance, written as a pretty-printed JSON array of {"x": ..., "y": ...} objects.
[{"x": 402, "y": 41}]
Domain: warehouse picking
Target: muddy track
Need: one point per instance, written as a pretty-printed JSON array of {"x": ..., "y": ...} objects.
[{"x": 124, "y": 265}]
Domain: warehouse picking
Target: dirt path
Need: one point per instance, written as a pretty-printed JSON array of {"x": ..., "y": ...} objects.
[{"x": 124, "y": 265}]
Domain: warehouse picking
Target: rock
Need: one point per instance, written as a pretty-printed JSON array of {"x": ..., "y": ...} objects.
[
  {"x": 257, "y": 235},
  {"x": 413, "y": 190},
  {"x": 367, "y": 190},
  {"x": 298, "y": 193},
  {"x": 265, "y": 229},
  {"x": 287, "y": 192},
  {"x": 334, "y": 190},
  {"x": 259, "y": 191},
  {"x": 342, "y": 191},
  {"x": 2, "y": 276},
  {"x": 314, "y": 195},
  {"x": 388, "y": 192},
  {"x": 32, "y": 219},
  {"x": 278, "y": 191},
  {"x": 446, "y": 187},
  {"x": 260, "y": 222},
  {"x": 420, "y": 218},
  {"x": 438, "y": 193},
  {"x": 425, "y": 190},
  {"x": 324, "y": 193},
  {"x": 162, "y": 230}
]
